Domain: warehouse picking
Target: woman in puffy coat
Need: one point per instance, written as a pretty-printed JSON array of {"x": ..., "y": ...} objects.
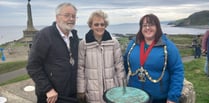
[{"x": 100, "y": 62}]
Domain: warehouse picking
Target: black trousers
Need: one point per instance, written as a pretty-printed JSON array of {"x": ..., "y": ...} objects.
[{"x": 41, "y": 98}]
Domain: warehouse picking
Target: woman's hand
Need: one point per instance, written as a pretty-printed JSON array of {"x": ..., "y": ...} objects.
[{"x": 168, "y": 101}]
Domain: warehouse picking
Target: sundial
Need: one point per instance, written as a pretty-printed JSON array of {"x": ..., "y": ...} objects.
[{"x": 126, "y": 95}]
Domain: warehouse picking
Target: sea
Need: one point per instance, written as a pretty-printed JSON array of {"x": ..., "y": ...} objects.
[{"x": 11, "y": 33}]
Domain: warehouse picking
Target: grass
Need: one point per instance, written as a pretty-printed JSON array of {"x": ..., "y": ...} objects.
[
  {"x": 13, "y": 44},
  {"x": 123, "y": 41},
  {"x": 195, "y": 74},
  {"x": 186, "y": 52},
  {"x": 11, "y": 66},
  {"x": 183, "y": 42}
]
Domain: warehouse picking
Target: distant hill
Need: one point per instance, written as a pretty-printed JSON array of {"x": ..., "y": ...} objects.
[{"x": 196, "y": 19}]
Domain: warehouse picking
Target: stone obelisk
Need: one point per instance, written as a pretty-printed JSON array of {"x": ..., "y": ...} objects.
[{"x": 30, "y": 31}]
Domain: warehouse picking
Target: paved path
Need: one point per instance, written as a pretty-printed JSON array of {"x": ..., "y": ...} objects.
[
  {"x": 15, "y": 93},
  {"x": 11, "y": 75},
  {"x": 188, "y": 59}
]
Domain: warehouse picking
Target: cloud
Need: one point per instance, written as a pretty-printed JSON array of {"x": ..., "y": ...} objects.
[
  {"x": 10, "y": 4},
  {"x": 43, "y": 11}
]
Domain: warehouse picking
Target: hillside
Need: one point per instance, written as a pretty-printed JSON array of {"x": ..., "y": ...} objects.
[{"x": 196, "y": 19}]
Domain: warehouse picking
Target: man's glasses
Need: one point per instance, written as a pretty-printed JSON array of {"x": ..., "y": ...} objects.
[
  {"x": 97, "y": 24},
  {"x": 69, "y": 16}
]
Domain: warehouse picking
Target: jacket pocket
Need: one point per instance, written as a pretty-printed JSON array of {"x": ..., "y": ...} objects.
[{"x": 91, "y": 59}]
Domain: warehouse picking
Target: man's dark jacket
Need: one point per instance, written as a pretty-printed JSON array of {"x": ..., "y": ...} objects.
[{"x": 49, "y": 65}]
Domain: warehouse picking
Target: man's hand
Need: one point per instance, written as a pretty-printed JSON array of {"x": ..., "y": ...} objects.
[{"x": 52, "y": 96}]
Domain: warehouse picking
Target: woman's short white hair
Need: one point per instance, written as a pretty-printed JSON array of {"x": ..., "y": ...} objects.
[{"x": 98, "y": 13}]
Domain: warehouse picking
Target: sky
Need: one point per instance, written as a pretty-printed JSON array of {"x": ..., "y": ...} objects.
[{"x": 14, "y": 12}]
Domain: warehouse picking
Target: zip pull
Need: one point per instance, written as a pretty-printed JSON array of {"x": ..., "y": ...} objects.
[{"x": 101, "y": 48}]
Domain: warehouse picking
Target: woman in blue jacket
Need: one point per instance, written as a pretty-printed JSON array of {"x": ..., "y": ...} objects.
[{"x": 153, "y": 63}]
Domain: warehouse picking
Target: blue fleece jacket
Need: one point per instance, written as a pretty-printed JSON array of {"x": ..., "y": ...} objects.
[{"x": 171, "y": 85}]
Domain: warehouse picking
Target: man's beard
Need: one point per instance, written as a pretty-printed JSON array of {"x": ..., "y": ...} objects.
[{"x": 67, "y": 27}]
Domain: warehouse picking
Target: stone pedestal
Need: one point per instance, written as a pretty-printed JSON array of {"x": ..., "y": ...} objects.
[{"x": 29, "y": 33}]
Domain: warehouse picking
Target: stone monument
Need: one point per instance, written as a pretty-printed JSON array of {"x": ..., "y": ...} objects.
[{"x": 30, "y": 31}]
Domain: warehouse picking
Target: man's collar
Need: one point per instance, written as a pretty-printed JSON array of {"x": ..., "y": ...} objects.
[{"x": 61, "y": 33}]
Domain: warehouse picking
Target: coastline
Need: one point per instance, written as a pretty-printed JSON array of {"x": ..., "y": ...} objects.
[
  {"x": 13, "y": 33},
  {"x": 195, "y": 26}
]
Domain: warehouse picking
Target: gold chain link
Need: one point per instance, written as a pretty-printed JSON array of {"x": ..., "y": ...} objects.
[{"x": 130, "y": 73}]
